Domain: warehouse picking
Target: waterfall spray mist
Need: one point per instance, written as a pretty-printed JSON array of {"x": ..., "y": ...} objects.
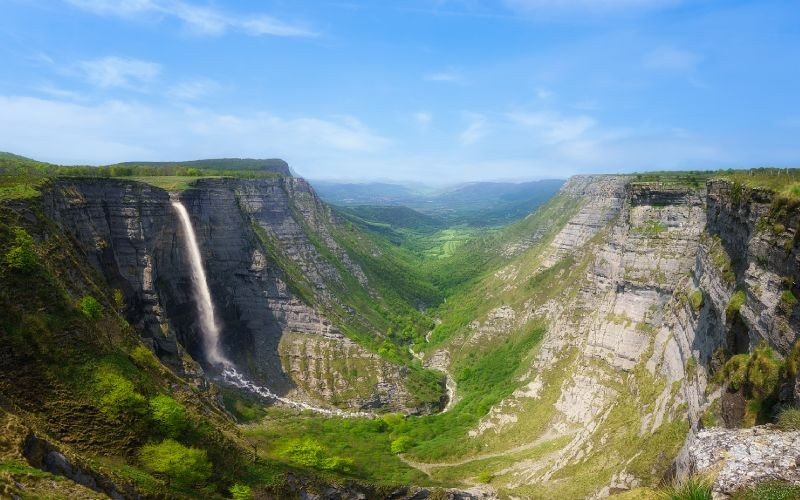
[{"x": 205, "y": 308}]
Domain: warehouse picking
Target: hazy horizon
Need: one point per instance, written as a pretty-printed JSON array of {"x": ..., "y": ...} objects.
[{"x": 462, "y": 90}]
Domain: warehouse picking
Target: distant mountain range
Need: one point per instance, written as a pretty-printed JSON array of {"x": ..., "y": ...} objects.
[{"x": 475, "y": 204}]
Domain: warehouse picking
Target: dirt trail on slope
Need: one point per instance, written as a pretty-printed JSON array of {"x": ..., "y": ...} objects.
[{"x": 426, "y": 467}]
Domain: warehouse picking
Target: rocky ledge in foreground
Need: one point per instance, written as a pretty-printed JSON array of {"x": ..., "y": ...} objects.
[{"x": 740, "y": 458}]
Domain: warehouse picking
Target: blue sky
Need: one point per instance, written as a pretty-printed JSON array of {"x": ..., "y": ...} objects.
[{"x": 428, "y": 90}]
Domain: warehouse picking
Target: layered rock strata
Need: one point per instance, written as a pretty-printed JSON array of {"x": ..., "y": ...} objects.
[{"x": 249, "y": 232}]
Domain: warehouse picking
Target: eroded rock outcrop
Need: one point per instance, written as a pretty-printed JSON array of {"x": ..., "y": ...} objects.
[
  {"x": 741, "y": 458},
  {"x": 642, "y": 276}
]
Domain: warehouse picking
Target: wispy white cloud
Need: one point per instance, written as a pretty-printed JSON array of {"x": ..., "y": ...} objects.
[
  {"x": 671, "y": 59},
  {"x": 443, "y": 76},
  {"x": 423, "y": 119},
  {"x": 200, "y": 19},
  {"x": 544, "y": 94},
  {"x": 475, "y": 131},
  {"x": 586, "y": 6},
  {"x": 51, "y": 90},
  {"x": 192, "y": 89},
  {"x": 553, "y": 127},
  {"x": 108, "y": 72},
  {"x": 114, "y": 130}
]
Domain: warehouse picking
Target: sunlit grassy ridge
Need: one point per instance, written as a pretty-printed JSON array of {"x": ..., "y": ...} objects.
[
  {"x": 20, "y": 187},
  {"x": 11, "y": 164},
  {"x": 168, "y": 182},
  {"x": 783, "y": 181}
]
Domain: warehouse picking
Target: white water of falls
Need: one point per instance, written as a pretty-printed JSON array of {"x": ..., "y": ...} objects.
[
  {"x": 233, "y": 377},
  {"x": 210, "y": 329},
  {"x": 202, "y": 295}
]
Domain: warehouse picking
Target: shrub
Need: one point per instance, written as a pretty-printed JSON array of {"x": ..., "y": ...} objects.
[
  {"x": 393, "y": 419},
  {"x": 241, "y": 492},
  {"x": 792, "y": 363},
  {"x": 692, "y": 488},
  {"x": 763, "y": 371},
  {"x": 144, "y": 357},
  {"x": 117, "y": 396},
  {"x": 735, "y": 371},
  {"x": 90, "y": 307},
  {"x": 180, "y": 464},
  {"x": 787, "y": 302},
  {"x": 402, "y": 444},
  {"x": 789, "y": 419},
  {"x": 309, "y": 453},
  {"x": 485, "y": 477},
  {"x": 736, "y": 302},
  {"x": 168, "y": 414},
  {"x": 691, "y": 367},
  {"x": 21, "y": 256},
  {"x": 697, "y": 300},
  {"x": 119, "y": 300}
]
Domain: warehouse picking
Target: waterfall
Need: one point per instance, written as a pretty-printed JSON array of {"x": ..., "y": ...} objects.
[
  {"x": 202, "y": 295},
  {"x": 210, "y": 329},
  {"x": 233, "y": 377}
]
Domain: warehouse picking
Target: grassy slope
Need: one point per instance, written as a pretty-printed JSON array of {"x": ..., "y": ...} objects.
[
  {"x": 388, "y": 315},
  {"x": 419, "y": 234}
]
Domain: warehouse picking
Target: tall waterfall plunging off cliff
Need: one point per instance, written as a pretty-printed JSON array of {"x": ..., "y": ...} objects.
[
  {"x": 205, "y": 308},
  {"x": 210, "y": 329}
]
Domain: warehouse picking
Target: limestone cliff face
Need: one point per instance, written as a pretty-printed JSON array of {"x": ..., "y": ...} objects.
[
  {"x": 252, "y": 234},
  {"x": 622, "y": 374},
  {"x": 762, "y": 244},
  {"x": 129, "y": 232},
  {"x": 740, "y": 250}
]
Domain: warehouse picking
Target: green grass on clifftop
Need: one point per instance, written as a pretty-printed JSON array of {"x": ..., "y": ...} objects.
[
  {"x": 20, "y": 187},
  {"x": 168, "y": 182},
  {"x": 783, "y": 181}
]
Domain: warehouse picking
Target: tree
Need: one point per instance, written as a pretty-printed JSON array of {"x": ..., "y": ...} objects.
[
  {"x": 21, "y": 256},
  {"x": 168, "y": 414},
  {"x": 180, "y": 464},
  {"x": 241, "y": 492},
  {"x": 309, "y": 453},
  {"x": 117, "y": 396},
  {"x": 90, "y": 307},
  {"x": 402, "y": 444},
  {"x": 119, "y": 300}
]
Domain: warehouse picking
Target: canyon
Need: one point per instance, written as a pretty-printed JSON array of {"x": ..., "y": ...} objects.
[{"x": 589, "y": 349}]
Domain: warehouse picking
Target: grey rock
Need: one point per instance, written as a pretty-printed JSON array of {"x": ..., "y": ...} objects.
[{"x": 740, "y": 458}]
